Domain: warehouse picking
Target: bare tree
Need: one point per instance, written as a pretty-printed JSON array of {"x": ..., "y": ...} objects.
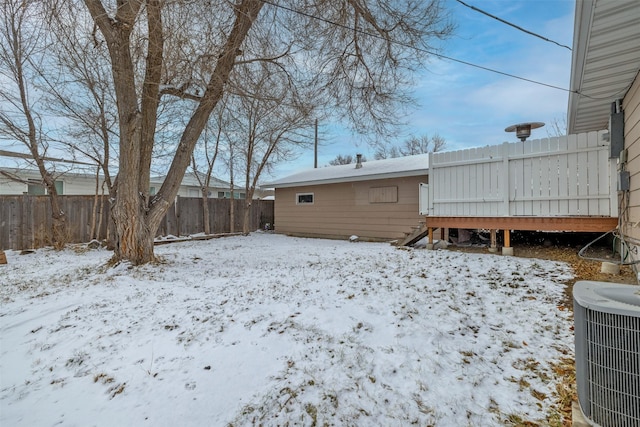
[
  {"x": 207, "y": 156},
  {"x": 228, "y": 150},
  {"x": 78, "y": 89},
  {"x": 137, "y": 215},
  {"x": 557, "y": 127},
  {"x": 360, "y": 56},
  {"x": 22, "y": 45},
  {"x": 345, "y": 160},
  {"x": 270, "y": 114},
  {"x": 384, "y": 151},
  {"x": 232, "y": 189},
  {"x": 411, "y": 146}
]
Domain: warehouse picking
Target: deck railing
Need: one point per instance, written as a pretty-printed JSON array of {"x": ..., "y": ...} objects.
[{"x": 560, "y": 176}]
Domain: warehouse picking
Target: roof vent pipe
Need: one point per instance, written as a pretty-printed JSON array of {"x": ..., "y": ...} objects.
[{"x": 358, "y": 161}]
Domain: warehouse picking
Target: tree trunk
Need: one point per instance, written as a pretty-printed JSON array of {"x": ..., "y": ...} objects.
[
  {"x": 246, "y": 223},
  {"x": 136, "y": 215},
  {"x": 232, "y": 212},
  {"x": 94, "y": 209},
  {"x": 205, "y": 211},
  {"x": 101, "y": 215},
  {"x": 134, "y": 241},
  {"x": 59, "y": 222},
  {"x": 60, "y": 234},
  {"x": 247, "y": 218}
]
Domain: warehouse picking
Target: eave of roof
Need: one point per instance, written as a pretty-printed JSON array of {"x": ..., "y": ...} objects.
[
  {"x": 189, "y": 180},
  {"x": 377, "y": 169},
  {"x": 35, "y": 173},
  {"x": 605, "y": 60}
]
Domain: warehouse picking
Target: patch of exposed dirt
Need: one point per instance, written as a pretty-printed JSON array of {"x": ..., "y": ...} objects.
[{"x": 584, "y": 269}]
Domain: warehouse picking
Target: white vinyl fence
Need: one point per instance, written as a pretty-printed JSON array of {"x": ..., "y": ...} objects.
[{"x": 564, "y": 176}]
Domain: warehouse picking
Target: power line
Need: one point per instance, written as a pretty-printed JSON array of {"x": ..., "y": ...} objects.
[
  {"x": 439, "y": 55},
  {"x": 512, "y": 25}
]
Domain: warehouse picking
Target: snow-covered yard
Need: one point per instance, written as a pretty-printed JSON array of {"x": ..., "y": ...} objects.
[{"x": 273, "y": 330}]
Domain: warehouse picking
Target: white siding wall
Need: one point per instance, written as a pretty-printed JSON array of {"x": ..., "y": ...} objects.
[
  {"x": 81, "y": 185},
  {"x": 11, "y": 187},
  {"x": 565, "y": 176},
  {"x": 76, "y": 184}
]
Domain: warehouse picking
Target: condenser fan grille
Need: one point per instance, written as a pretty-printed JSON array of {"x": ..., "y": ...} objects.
[
  {"x": 607, "y": 333},
  {"x": 613, "y": 348}
]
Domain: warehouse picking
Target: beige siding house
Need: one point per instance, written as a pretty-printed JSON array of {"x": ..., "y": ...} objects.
[
  {"x": 376, "y": 200},
  {"x": 606, "y": 85}
]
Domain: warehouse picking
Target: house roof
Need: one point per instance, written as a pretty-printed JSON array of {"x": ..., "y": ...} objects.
[
  {"x": 377, "y": 169},
  {"x": 34, "y": 173},
  {"x": 605, "y": 60},
  {"x": 190, "y": 179}
]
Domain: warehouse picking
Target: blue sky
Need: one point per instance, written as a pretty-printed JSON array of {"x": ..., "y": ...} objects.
[{"x": 471, "y": 107}]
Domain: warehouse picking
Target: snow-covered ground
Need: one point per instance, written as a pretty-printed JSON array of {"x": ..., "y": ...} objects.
[{"x": 273, "y": 330}]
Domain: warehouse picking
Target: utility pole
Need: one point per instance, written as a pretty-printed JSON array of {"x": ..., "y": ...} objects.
[{"x": 315, "y": 148}]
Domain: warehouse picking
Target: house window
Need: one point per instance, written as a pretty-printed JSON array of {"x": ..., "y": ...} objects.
[
  {"x": 36, "y": 188},
  {"x": 383, "y": 194},
  {"x": 304, "y": 198},
  {"x": 227, "y": 195}
]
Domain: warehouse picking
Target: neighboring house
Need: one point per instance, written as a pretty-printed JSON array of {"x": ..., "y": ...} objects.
[
  {"x": 68, "y": 184},
  {"x": 606, "y": 85},
  {"x": 190, "y": 187},
  {"x": 72, "y": 184},
  {"x": 374, "y": 200}
]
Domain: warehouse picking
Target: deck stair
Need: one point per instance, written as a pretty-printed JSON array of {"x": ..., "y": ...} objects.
[{"x": 418, "y": 233}]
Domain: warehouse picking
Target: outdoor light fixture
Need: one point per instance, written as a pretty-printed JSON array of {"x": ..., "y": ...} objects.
[{"x": 523, "y": 130}]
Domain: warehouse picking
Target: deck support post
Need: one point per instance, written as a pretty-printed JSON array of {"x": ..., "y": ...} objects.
[
  {"x": 507, "y": 249},
  {"x": 430, "y": 238},
  {"x": 494, "y": 242}
]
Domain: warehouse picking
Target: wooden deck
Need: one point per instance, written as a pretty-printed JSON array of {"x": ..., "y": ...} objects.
[
  {"x": 526, "y": 223},
  {"x": 563, "y": 184}
]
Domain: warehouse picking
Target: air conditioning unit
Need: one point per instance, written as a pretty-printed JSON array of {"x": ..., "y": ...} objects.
[{"x": 607, "y": 334}]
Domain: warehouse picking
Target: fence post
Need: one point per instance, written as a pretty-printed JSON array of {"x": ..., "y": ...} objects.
[
  {"x": 430, "y": 189},
  {"x": 23, "y": 225},
  {"x": 505, "y": 178},
  {"x": 176, "y": 207}
]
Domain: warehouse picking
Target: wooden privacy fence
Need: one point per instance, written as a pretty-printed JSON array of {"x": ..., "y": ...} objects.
[
  {"x": 561, "y": 176},
  {"x": 25, "y": 221}
]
